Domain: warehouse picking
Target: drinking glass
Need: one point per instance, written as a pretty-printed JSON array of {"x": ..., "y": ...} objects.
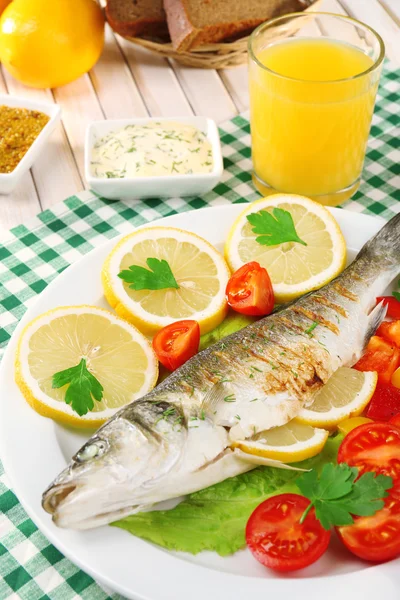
[{"x": 311, "y": 103}]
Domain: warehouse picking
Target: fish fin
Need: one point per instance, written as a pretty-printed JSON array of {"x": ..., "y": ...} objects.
[
  {"x": 385, "y": 246},
  {"x": 214, "y": 397},
  {"x": 267, "y": 462},
  {"x": 228, "y": 392},
  {"x": 375, "y": 318}
]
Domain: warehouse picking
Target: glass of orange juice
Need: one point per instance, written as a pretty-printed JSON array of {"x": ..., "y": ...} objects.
[{"x": 311, "y": 103}]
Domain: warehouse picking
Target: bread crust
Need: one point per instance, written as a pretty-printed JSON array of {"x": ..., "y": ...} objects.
[
  {"x": 185, "y": 35},
  {"x": 140, "y": 27}
]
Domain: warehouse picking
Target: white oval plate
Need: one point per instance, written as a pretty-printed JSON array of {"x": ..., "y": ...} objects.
[{"x": 35, "y": 449}]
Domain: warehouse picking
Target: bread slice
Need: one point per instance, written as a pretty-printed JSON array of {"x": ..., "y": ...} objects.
[
  {"x": 135, "y": 18},
  {"x": 193, "y": 23}
]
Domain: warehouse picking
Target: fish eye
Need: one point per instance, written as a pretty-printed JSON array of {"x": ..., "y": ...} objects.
[{"x": 91, "y": 450}]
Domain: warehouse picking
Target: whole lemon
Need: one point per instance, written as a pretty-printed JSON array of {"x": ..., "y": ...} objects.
[
  {"x": 48, "y": 44},
  {"x": 3, "y": 4}
]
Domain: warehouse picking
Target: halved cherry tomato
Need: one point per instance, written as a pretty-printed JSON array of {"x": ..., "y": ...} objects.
[
  {"x": 249, "y": 291},
  {"x": 395, "y": 420},
  {"x": 375, "y": 538},
  {"x": 373, "y": 447},
  {"x": 390, "y": 331},
  {"x": 380, "y": 356},
  {"x": 393, "y": 306},
  {"x": 385, "y": 403},
  {"x": 176, "y": 343},
  {"x": 276, "y": 538}
]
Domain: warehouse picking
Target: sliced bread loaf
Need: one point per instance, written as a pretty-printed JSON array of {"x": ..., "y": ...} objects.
[
  {"x": 137, "y": 18},
  {"x": 192, "y": 23}
]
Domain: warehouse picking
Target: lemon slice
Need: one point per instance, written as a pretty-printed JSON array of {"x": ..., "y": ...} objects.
[
  {"x": 289, "y": 443},
  {"x": 349, "y": 424},
  {"x": 294, "y": 268},
  {"x": 199, "y": 270},
  {"x": 345, "y": 395},
  {"x": 116, "y": 353}
]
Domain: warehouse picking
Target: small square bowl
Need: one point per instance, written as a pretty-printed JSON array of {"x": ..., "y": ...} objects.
[
  {"x": 165, "y": 186},
  {"x": 8, "y": 181}
]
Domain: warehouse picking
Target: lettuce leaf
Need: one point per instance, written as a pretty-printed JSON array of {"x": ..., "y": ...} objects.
[
  {"x": 215, "y": 518},
  {"x": 232, "y": 323}
]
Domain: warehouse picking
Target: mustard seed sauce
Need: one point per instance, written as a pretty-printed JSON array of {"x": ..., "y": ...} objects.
[{"x": 19, "y": 128}]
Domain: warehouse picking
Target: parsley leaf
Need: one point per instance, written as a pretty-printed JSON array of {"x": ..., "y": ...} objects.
[
  {"x": 275, "y": 228},
  {"x": 159, "y": 277},
  {"x": 337, "y": 495},
  {"x": 82, "y": 388}
]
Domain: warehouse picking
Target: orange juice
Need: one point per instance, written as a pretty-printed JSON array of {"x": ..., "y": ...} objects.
[{"x": 311, "y": 112}]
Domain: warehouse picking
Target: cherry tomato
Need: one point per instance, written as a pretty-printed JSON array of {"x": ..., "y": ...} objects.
[
  {"x": 393, "y": 306},
  {"x": 276, "y": 538},
  {"x": 249, "y": 291},
  {"x": 385, "y": 403},
  {"x": 176, "y": 343},
  {"x": 380, "y": 356},
  {"x": 373, "y": 447},
  {"x": 395, "y": 420},
  {"x": 375, "y": 538},
  {"x": 390, "y": 331}
]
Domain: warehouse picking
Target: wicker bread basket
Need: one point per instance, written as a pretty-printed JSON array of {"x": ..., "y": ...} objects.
[{"x": 214, "y": 56}]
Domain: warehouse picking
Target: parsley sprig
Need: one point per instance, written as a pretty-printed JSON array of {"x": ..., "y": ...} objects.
[
  {"x": 158, "y": 277},
  {"x": 273, "y": 229},
  {"x": 337, "y": 495},
  {"x": 83, "y": 387}
]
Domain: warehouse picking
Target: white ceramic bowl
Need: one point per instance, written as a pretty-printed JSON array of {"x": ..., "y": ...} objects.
[
  {"x": 8, "y": 181},
  {"x": 129, "y": 188}
]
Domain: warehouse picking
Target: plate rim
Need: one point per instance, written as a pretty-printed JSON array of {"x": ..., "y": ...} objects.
[{"x": 370, "y": 578}]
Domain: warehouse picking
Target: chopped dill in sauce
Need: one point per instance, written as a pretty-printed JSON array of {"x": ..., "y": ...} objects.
[{"x": 152, "y": 150}]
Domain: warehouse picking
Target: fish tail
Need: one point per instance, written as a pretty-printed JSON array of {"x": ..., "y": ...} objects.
[
  {"x": 385, "y": 246},
  {"x": 375, "y": 318}
]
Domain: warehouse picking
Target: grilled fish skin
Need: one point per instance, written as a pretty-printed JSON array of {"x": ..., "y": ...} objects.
[{"x": 179, "y": 438}]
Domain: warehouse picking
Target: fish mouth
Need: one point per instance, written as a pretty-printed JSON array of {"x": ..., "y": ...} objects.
[
  {"x": 55, "y": 495},
  {"x": 67, "y": 512}
]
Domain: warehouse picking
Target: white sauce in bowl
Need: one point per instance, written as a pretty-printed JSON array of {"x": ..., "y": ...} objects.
[{"x": 152, "y": 150}]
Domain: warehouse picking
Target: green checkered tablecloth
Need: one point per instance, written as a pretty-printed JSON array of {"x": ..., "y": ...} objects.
[{"x": 33, "y": 254}]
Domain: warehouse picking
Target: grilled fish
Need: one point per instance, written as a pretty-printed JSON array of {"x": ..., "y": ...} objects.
[{"x": 180, "y": 437}]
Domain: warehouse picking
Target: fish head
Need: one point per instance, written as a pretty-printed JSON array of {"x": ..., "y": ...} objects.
[{"x": 114, "y": 470}]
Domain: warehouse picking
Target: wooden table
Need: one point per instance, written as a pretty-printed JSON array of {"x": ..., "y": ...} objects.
[{"x": 129, "y": 81}]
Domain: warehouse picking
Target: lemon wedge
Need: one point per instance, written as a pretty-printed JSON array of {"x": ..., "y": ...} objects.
[
  {"x": 116, "y": 353},
  {"x": 198, "y": 268},
  {"x": 288, "y": 443},
  {"x": 294, "y": 268},
  {"x": 345, "y": 395}
]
